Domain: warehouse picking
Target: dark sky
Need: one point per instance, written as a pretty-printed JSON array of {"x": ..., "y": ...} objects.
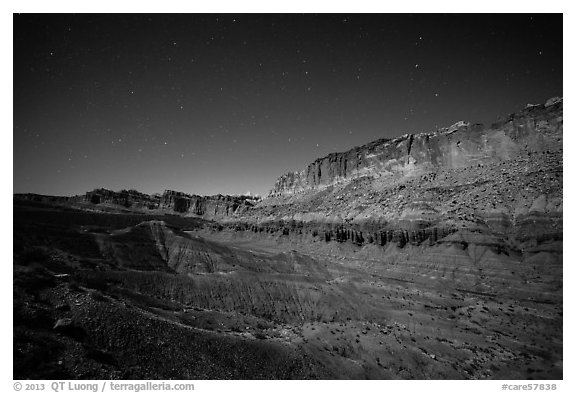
[{"x": 211, "y": 104}]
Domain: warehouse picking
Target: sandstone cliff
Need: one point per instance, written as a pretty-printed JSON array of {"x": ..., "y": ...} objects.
[
  {"x": 208, "y": 207},
  {"x": 504, "y": 180},
  {"x": 126, "y": 198},
  {"x": 215, "y": 207},
  {"x": 535, "y": 129}
]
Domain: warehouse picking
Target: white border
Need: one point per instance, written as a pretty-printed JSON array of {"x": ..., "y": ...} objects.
[{"x": 304, "y": 6}]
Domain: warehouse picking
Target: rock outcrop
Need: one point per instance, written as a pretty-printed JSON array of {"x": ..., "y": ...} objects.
[
  {"x": 126, "y": 198},
  {"x": 208, "y": 207},
  {"x": 217, "y": 207}
]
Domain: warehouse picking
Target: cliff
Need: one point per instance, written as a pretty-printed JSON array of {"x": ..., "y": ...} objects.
[
  {"x": 125, "y": 198},
  {"x": 208, "y": 207},
  {"x": 537, "y": 128},
  {"x": 214, "y": 207},
  {"x": 504, "y": 181}
]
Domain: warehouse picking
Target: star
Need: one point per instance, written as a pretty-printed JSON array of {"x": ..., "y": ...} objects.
[{"x": 176, "y": 67}]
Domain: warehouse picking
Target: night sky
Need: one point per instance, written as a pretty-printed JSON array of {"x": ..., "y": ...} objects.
[{"x": 210, "y": 104}]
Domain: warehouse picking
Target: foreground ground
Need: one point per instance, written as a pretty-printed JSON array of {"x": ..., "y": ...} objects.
[{"x": 161, "y": 297}]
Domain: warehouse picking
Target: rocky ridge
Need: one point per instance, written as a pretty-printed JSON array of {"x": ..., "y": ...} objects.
[
  {"x": 504, "y": 180},
  {"x": 212, "y": 207},
  {"x": 208, "y": 207},
  {"x": 536, "y": 128}
]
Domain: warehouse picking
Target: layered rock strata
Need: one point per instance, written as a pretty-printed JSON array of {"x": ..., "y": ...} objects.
[
  {"x": 208, "y": 207},
  {"x": 505, "y": 179},
  {"x": 537, "y": 128}
]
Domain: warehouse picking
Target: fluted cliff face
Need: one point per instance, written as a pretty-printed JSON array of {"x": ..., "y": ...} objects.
[
  {"x": 505, "y": 180},
  {"x": 125, "y": 198},
  {"x": 101, "y": 199},
  {"x": 535, "y": 129},
  {"x": 208, "y": 207}
]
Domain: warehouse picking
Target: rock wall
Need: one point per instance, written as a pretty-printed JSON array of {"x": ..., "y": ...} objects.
[
  {"x": 536, "y": 128},
  {"x": 343, "y": 233},
  {"x": 126, "y": 198},
  {"x": 208, "y": 207},
  {"x": 505, "y": 180}
]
